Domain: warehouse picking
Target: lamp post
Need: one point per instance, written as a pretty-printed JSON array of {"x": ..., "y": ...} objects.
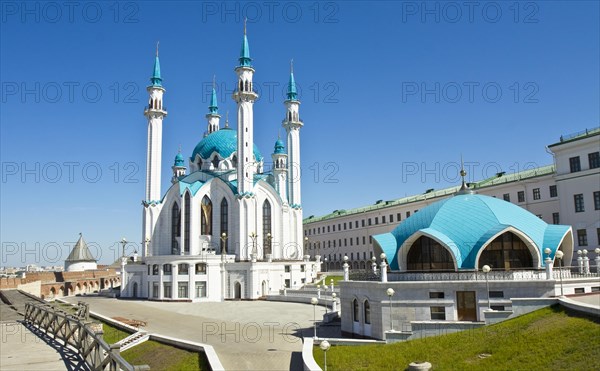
[
  {"x": 314, "y": 302},
  {"x": 334, "y": 302},
  {"x": 253, "y": 236},
  {"x": 559, "y": 255},
  {"x": 324, "y": 347},
  {"x": 223, "y": 245},
  {"x": 123, "y": 242},
  {"x": 390, "y": 292},
  {"x": 486, "y": 269}
]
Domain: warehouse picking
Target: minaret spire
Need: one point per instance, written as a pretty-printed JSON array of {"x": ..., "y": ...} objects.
[
  {"x": 292, "y": 92},
  {"x": 156, "y": 79},
  {"x": 245, "y": 60},
  {"x": 464, "y": 189},
  {"x": 213, "y": 110}
]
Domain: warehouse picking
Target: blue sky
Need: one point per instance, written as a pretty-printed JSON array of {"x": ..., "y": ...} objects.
[{"x": 392, "y": 94}]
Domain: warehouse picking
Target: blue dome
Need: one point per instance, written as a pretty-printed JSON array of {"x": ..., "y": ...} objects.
[
  {"x": 223, "y": 141},
  {"x": 179, "y": 160},
  {"x": 466, "y": 223},
  {"x": 279, "y": 147}
]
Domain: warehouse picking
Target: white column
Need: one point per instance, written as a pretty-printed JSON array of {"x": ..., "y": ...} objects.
[
  {"x": 161, "y": 273},
  {"x": 191, "y": 282},
  {"x": 174, "y": 281}
]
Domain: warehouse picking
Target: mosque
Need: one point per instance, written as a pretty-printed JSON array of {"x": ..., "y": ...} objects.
[{"x": 231, "y": 228}]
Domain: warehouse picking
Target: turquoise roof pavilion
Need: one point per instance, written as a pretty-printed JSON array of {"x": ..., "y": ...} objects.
[{"x": 467, "y": 231}]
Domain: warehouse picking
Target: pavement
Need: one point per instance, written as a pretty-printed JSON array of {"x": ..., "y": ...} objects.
[
  {"x": 591, "y": 299},
  {"x": 247, "y": 335}
]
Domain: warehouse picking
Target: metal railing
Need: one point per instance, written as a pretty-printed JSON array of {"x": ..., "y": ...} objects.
[{"x": 77, "y": 333}]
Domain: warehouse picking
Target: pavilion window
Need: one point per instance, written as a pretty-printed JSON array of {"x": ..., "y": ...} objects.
[
  {"x": 506, "y": 251},
  {"x": 367, "y": 311},
  {"x": 355, "y": 311},
  {"x": 215, "y": 162},
  {"x": 427, "y": 254}
]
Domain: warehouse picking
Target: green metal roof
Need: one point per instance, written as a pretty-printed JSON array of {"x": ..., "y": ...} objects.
[
  {"x": 577, "y": 136},
  {"x": 500, "y": 178}
]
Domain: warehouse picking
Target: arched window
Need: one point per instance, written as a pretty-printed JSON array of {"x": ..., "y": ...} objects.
[
  {"x": 505, "y": 252},
  {"x": 241, "y": 85},
  {"x": 224, "y": 221},
  {"x": 367, "y": 311},
  {"x": 175, "y": 228},
  {"x": 355, "y": 310},
  {"x": 215, "y": 162},
  {"x": 199, "y": 163},
  {"x": 427, "y": 254},
  {"x": 267, "y": 237},
  {"x": 234, "y": 160},
  {"x": 247, "y": 86},
  {"x": 206, "y": 226},
  {"x": 186, "y": 223}
]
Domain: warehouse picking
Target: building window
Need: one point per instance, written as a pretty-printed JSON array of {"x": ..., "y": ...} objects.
[
  {"x": 579, "y": 207},
  {"x": 155, "y": 269},
  {"x": 350, "y": 225},
  {"x": 302, "y": 268},
  {"x": 496, "y": 294},
  {"x": 383, "y": 219},
  {"x": 580, "y": 290},
  {"x": 224, "y": 222},
  {"x": 363, "y": 222},
  {"x": 206, "y": 217},
  {"x": 436, "y": 295},
  {"x": 370, "y": 239},
  {"x": 398, "y": 217},
  {"x": 344, "y": 226},
  {"x": 356, "y": 224},
  {"x": 201, "y": 289},
  {"x": 553, "y": 192},
  {"x": 183, "y": 268},
  {"x": 438, "y": 313},
  {"x": 536, "y": 194},
  {"x": 175, "y": 228},
  {"x": 266, "y": 211},
  {"x": 328, "y": 228},
  {"x": 407, "y": 214},
  {"x": 350, "y": 241},
  {"x": 155, "y": 289},
  {"x": 288, "y": 268},
  {"x": 497, "y": 307},
  {"x": 334, "y": 227},
  {"x": 594, "y": 160},
  {"x": 200, "y": 268},
  {"x": 506, "y": 197},
  {"x": 391, "y": 218},
  {"x": 582, "y": 237},
  {"x": 167, "y": 269},
  {"x": 597, "y": 200},
  {"x": 167, "y": 290},
  {"x": 355, "y": 316},
  {"x": 370, "y": 221},
  {"x": 367, "y": 311},
  {"x": 182, "y": 290},
  {"x": 575, "y": 164},
  {"x": 521, "y": 196},
  {"x": 376, "y": 220},
  {"x": 555, "y": 218},
  {"x": 364, "y": 240}
]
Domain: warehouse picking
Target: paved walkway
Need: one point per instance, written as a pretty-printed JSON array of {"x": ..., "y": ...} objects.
[
  {"x": 588, "y": 299},
  {"x": 247, "y": 335}
]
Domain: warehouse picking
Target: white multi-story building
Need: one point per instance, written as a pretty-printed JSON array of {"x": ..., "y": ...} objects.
[
  {"x": 567, "y": 192},
  {"x": 229, "y": 229}
]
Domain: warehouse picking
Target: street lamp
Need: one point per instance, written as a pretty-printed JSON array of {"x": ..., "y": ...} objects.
[
  {"x": 223, "y": 245},
  {"x": 486, "y": 269},
  {"x": 390, "y": 292},
  {"x": 253, "y": 236},
  {"x": 559, "y": 255},
  {"x": 314, "y": 302},
  {"x": 123, "y": 242},
  {"x": 325, "y": 347}
]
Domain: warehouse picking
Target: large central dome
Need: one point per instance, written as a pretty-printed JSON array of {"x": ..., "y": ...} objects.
[{"x": 223, "y": 142}]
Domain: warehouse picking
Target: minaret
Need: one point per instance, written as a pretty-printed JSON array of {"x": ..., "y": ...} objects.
[
  {"x": 213, "y": 112},
  {"x": 155, "y": 114},
  {"x": 245, "y": 97},
  {"x": 178, "y": 168},
  {"x": 292, "y": 125},
  {"x": 279, "y": 157}
]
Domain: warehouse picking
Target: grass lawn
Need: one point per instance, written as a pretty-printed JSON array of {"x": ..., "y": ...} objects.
[
  {"x": 547, "y": 339},
  {"x": 164, "y": 357},
  {"x": 335, "y": 279},
  {"x": 113, "y": 334}
]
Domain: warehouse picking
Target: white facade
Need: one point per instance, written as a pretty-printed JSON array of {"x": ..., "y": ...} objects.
[
  {"x": 228, "y": 229},
  {"x": 544, "y": 191}
]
